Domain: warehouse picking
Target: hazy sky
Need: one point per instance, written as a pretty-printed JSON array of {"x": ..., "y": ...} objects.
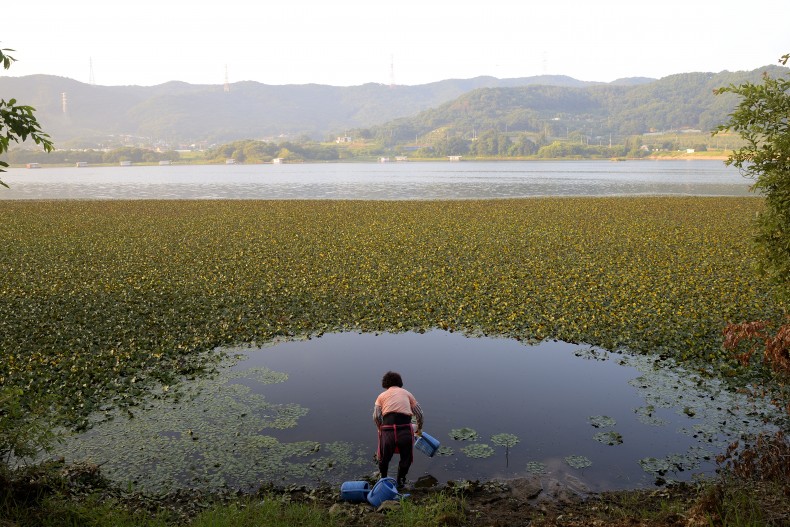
[{"x": 351, "y": 42}]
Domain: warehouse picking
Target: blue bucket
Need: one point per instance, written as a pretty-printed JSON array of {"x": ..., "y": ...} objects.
[
  {"x": 354, "y": 491},
  {"x": 384, "y": 489},
  {"x": 427, "y": 444}
]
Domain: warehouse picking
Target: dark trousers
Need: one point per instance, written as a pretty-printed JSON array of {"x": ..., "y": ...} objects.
[{"x": 396, "y": 436}]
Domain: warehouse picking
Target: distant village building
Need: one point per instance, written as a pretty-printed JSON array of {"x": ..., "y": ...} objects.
[
  {"x": 384, "y": 160},
  {"x": 82, "y": 164},
  {"x": 277, "y": 161},
  {"x": 164, "y": 162},
  {"x": 230, "y": 161},
  {"x": 454, "y": 158},
  {"x": 33, "y": 165},
  {"x": 401, "y": 158},
  {"x": 689, "y": 150},
  {"x": 343, "y": 139},
  {"x": 126, "y": 163}
]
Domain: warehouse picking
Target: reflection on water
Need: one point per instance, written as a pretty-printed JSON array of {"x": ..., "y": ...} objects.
[
  {"x": 555, "y": 397},
  {"x": 393, "y": 181}
]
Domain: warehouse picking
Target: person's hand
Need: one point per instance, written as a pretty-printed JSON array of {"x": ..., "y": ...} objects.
[{"x": 418, "y": 432}]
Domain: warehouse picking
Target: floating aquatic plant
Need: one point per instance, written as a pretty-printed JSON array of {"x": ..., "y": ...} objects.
[
  {"x": 444, "y": 451},
  {"x": 207, "y": 436},
  {"x": 592, "y": 354},
  {"x": 535, "y": 467},
  {"x": 505, "y": 440},
  {"x": 105, "y": 303},
  {"x": 646, "y": 415},
  {"x": 463, "y": 434},
  {"x": 674, "y": 462},
  {"x": 654, "y": 465},
  {"x": 601, "y": 421},
  {"x": 578, "y": 462},
  {"x": 705, "y": 399},
  {"x": 103, "y": 300},
  {"x": 610, "y": 438},
  {"x": 478, "y": 450}
]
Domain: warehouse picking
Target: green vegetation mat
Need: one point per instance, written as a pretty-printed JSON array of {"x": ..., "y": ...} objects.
[{"x": 100, "y": 301}]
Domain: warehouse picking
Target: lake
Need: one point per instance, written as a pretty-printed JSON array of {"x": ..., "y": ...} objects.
[
  {"x": 300, "y": 411},
  {"x": 380, "y": 181}
]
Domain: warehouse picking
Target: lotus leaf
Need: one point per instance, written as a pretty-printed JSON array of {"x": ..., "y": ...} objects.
[
  {"x": 655, "y": 466},
  {"x": 601, "y": 421},
  {"x": 578, "y": 461},
  {"x": 478, "y": 450},
  {"x": 535, "y": 467},
  {"x": 463, "y": 434},
  {"x": 445, "y": 451},
  {"x": 674, "y": 462},
  {"x": 646, "y": 415},
  {"x": 610, "y": 438},
  {"x": 505, "y": 440}
]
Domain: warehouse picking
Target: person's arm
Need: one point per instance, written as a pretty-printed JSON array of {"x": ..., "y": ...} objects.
[
  {"x": 417, "y": 412},
  {"x": 377, "y": 417}
]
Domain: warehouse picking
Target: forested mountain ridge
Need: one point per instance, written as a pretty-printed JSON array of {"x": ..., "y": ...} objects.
[
  {"x": 181, "y": 112},
  {"x": 681, "y": 101}
]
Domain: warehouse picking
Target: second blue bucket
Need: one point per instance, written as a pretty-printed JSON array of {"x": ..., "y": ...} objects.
[
  {"x": 354, "y": 491},
  {"x": 427, "y": 444},
  {"x": 384, "y": 489}
]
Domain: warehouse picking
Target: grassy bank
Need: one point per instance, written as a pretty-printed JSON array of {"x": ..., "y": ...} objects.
[{"x": 78, "y": 496}]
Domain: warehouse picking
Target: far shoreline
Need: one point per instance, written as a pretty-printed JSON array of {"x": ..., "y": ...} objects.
[{"x": 679, "y": 157}]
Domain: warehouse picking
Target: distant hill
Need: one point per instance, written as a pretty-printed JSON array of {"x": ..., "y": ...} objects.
[
  {"x": 178, "y": 112},
  {"x": 621, "y": 108},
  {"x": 181, "y": 112}
]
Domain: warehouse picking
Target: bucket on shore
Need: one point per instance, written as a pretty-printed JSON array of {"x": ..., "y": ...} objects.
[
  {"x": 354, "y": 491},
  {"x": 384, "y": 489},
  {"x": 427, "y": 444}
]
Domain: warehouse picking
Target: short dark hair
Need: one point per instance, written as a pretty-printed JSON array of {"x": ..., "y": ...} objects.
[{"x": 391, "y": 379}]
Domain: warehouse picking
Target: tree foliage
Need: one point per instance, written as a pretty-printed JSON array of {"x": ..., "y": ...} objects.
[
  {"x": 762, "y": 118},
  {"x": 251, "y": 151},
  {"x": 17, "y": 122}
]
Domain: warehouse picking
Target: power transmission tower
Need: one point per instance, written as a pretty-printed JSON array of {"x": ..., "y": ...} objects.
[{"x": 227, "y": 84}]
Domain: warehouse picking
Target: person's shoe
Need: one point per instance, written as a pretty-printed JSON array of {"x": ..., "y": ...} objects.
[{"x": 401, "y": 483}]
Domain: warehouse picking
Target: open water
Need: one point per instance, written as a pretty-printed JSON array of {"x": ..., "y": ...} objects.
[
  {"x": 380, "y": 181},
  {"x": 301, "y": 411}
]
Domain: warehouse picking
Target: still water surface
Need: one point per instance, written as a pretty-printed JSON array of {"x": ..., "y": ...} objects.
[
  {"x": 544, "y": 394},
  {"x": 385, "y": 181},
  {"x": 301, "y": 411}
]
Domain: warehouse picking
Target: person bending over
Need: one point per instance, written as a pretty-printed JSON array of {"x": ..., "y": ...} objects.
[{"x": 392, "y": 413}]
